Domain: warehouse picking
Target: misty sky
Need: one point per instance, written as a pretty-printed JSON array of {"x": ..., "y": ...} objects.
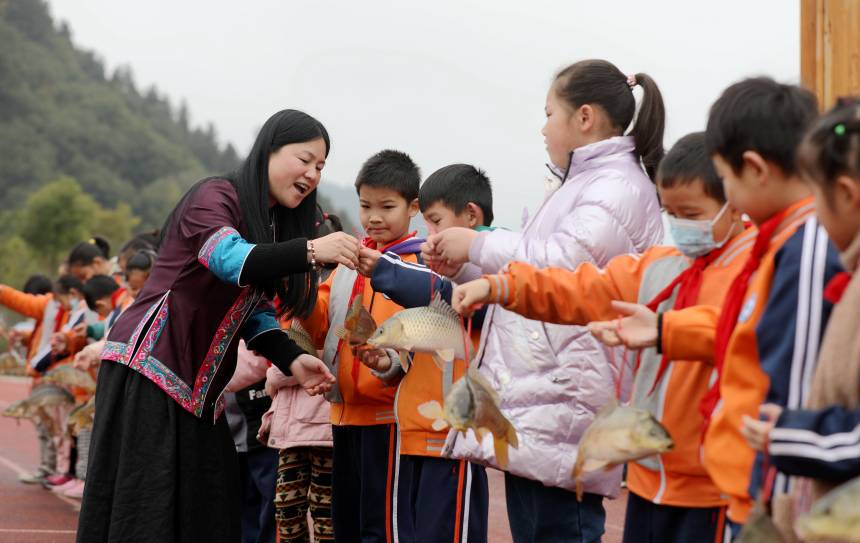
[{"x": 446, "y": 81}]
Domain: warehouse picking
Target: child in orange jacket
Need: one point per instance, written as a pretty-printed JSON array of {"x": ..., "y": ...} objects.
[
  {"x": 362, "y": 410},
  {"x": 672, "y": 497},
  {"x": 440, "y": 499},
  {"x": 765, "y": 337}
]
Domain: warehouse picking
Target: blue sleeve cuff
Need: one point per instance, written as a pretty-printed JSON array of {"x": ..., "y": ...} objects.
[
  {"x": 224, "y": 254},
  {"x": 262, "y": 320}
]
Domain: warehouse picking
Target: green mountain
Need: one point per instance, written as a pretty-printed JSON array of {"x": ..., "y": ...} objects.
[{"x": 63, "y": 115}]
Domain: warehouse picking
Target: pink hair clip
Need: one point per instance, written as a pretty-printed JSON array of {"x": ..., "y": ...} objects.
[{"x": 631, "y": 81}]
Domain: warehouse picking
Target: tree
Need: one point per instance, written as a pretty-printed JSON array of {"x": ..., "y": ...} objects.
[{"x": 60, "y": 215}]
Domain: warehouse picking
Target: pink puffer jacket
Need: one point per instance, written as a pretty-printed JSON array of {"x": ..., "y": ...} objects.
[
  {"x": 553, "y": 379},
  {"x": 295, "y": 419}
]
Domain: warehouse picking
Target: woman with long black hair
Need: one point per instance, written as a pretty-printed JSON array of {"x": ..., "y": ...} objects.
[{"x": 162, "y": 461}]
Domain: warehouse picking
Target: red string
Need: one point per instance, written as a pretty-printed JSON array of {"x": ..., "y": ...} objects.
[{"x": 624, "y": 357}]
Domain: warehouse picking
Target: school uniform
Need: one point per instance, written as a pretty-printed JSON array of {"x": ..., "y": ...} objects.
[
  {"x": 439, "y": 499},
  {"x": 764, "y": 347}
]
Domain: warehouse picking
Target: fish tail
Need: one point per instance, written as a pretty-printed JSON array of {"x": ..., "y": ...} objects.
[
  {"x": 511, "y": 436},
  {"x": 500, "y": 446}
]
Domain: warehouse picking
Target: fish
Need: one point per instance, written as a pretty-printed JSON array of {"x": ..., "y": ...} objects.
[
  {"x": 47, "y": 396},
  {"x": 67, "y": 375},
  {"x": 435, "y": 329},
  {"x": 834, "y": 517},
  {"x": 618, "y": 434},
  {"x": 760, "y": 528},
  {"x": 21, "y": 409},
  {"x": 81, "y": 417},
  {"x": 358, "y": 325},
  {"x": 301, "y": 337},
  {"x": 472, "y": 403}
]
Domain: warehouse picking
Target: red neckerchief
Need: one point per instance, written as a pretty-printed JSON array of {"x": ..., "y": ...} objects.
[
  {"x": 733, "y": 304},
  {"x": 358, "y": 290},
  {"x": 114, "y": 299},
  {"x": 836, "y": 287},
  {"x": 690, "y": 281}
]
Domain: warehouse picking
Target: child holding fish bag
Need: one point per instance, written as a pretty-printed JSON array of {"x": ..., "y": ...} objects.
[
  {"x": 439, "y": 499},
  {"x": 553, "y": 379},
  {"x": 345, "y": 315},
  {"x": 673, "y": 499},
  {"x": 822, "y": 440}
]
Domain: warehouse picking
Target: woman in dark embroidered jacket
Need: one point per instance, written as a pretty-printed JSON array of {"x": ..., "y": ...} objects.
[{"x": 162, "y": 462}]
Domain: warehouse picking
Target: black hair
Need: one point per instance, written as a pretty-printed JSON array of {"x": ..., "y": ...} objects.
[
  {"x": 66, "y": 283},
  {"x": 84, "y": 253},
  {"x": 98, "y": 287},
  {"x": 455, "y": 186},
  {"x": 831, "y": 147},
  {"x": 390, "y": 169},
  {"x": 687, "y": 162},
  {"x": 37, "y": 284},
  {"x": 142, "y": 260},
  {"x": 296, "y": 293},
  {"x": 144, "y": 240},
  {"x": 601, "y": 82},
  {"x": 327, "y": 223},
  {"x": 761, "y": 115}
]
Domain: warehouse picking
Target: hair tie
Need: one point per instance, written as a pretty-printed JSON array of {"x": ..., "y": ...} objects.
[
  {"x": 840, "y": 129},
  {"x": 631, "y": 81},
  {"x": 325, "y": 216},
  {"x": 92, "y": 241}
]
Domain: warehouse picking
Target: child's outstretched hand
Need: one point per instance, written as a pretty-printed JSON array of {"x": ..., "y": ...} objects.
[
  {"x": 312, "y": 374},
  {"x": 367, "y": 261},
  {"x": 637, "y": 330},
  {"x": 757, "y": 432},
  {"x": 469, "y": 296},
  {"x": 375, "y": 359},
  {"x": 450, "y": 246}
]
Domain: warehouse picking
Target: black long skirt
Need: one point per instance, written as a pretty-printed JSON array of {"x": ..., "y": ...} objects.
[{"x": 156, "y": 472}]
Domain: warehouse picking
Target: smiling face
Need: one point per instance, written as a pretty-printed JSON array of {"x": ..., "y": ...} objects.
[
  {"x": 384, "y": 213},
  {"x": 294, "y": 171}
]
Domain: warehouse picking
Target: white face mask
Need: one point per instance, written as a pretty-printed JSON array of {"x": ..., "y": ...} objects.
[{"x": 696, "y": 238}]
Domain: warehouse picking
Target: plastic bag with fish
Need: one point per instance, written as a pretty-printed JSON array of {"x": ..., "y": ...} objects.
[
  {"x": 435, "y": 329},
  {"x": 618, "y": 434},
  {"x": 472, "y": 403},
  {"x": 834, "y": 517},
  {"x": 358, "y": 324}
]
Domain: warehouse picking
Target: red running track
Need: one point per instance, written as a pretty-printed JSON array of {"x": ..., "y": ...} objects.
[{"x": 30, "y": 514}]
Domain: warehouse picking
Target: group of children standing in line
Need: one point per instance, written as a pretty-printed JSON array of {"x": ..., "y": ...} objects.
[{"x": 723, "y": 330}]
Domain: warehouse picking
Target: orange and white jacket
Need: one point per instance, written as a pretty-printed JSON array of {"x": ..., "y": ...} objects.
[
  {"x": 561, "y": 296},
  {"x": 771, "y": 353}
]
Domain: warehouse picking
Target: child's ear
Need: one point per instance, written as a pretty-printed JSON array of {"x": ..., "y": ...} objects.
[
  {"x": 585, "y": 117},
  {"x": 413, "y": 208},
  {"x": 757, "y": 167},
  {"x": 847, "y": 189},
  {"x": 476, "y": 215}
]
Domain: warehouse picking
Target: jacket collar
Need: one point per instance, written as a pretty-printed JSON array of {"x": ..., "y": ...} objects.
[{"x": 595, "y": 154}]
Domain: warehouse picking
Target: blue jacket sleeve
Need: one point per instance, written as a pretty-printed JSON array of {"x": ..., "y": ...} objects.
[
  {"x": 792, "y": 325},
  {"x": 821, "y": 444},
  {"x": 410, "y": 284}
]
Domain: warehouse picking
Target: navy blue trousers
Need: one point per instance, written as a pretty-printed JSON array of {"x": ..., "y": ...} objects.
[
  {"x": 441, "y": 500},
  {"x": 648, "y": 522},
  {"x": 258, "y": 472},
  {"x": 543, "y": 514},
  {"x": 362, "y": 500}
]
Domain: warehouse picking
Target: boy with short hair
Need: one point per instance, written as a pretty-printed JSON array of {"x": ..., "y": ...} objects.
[
  {"x": 439, "y": 499},
  {"x": 765, "y": 337},
  {"x": 362, "y": 412},
  {"x": 672, "y": 498}
]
